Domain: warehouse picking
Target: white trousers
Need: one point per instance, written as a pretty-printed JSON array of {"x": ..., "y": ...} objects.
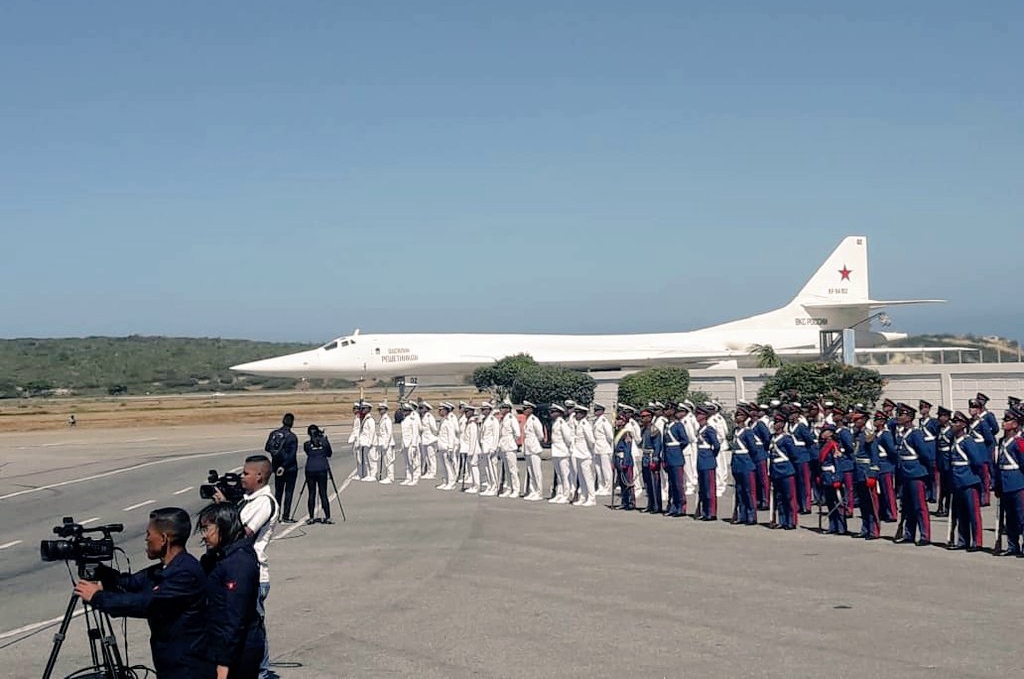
[
  {"x": 493, "y": 470},
  {"x": 722, "y": 472},
  {"x": 482, "y": 471},
  {"x": 603, "y": 472},
  {"x": 450, "y": 465},
  {"x": 638, "y": 455},
  {"x": 535, "y": 477},
  {"x": 690, "y": 469},
  {"x": 387, "y": 460},
  {"x": 510, "y": 461},
  {"x": 563, "y": 470},
  {"x": 412, "y": 462},
  {"x": 428, "y": 460},
  {"x": 584, "y": 467}
]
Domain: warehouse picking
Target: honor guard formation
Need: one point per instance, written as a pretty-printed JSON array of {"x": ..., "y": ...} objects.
[{"x": 785, "y": 458}]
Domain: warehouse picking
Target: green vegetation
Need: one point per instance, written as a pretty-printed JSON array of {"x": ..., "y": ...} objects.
[
  {"x": 135, "y": 365},
  {"x": 668, "y": 385},
  {"x": 521, "y": 378},
  {"x": 499, "y": 377},
  {"x": 843, "y": 384}
]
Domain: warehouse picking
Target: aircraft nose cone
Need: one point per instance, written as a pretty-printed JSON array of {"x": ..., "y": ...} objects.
[{"x": 292, "y": 365}]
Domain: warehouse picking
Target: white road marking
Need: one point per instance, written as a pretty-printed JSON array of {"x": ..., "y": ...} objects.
[
  {"x": 36, "y": 625},
  {"x": 141, "y": 504},
  {"x": 121, "y": 471},
  {"x": 141, "y": 440},
  {"x": 333, "y": 496},
  {"x": 183, "y": 490},
  {"x": 88, "y": 521},
  {"x": 236, "y": 470},
  {"x": 10, "y": 544}
]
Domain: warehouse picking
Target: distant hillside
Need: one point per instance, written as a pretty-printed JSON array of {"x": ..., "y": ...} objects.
[
  {"x": 983, "y": 349},
  {"x": 134, "y": 365}
]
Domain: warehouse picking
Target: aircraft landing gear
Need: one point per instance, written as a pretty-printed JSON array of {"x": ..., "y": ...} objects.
[{"x": 402, "y": 382}]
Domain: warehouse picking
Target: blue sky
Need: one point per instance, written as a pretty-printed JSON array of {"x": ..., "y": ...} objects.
[{"x": 295, "y": 170}]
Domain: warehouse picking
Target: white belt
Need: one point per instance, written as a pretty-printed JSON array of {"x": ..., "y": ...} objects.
[
  {"x": 1009, "y": 467},
  {"x": 829, "y": 468},
  {"x": 908, "y": 458},
  {"x": 739, "y": 452},
  {"x": 961, "y": 464}
]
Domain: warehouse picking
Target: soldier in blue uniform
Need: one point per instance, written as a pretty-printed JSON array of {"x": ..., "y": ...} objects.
[
  {"x": 806, "y": 448},
  {"x": 911, "y": 449},
  {"x": 708, "y": 447},
  {"x": 844, "y": 436},
  {"x": 781, "y": 456},
  {"x": 985, "y": 434},
  {"x": 943, "y": 446},
  {"x": 832, "y": 480},
  {"x": 763, "y": 434},
  {"x": 889, "y": 408},
  {"x": 885, "y": 451},
  {"x": 651, "y": 445},
  {"x": 675, "y": 441},
  {"x": 743, "y": 468},
  {"x": 622, "y": 458},
  {"x": 1009, "y": 480},
  {"x": 966, "y": 459},
  {"x": 865, "y": 475},
  {"x": 929, "y": 427}
]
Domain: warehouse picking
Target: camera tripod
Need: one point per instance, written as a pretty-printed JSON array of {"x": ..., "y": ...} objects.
[
  {"x": 106, "y": 658},
  {"x": 330, "y": 475}
]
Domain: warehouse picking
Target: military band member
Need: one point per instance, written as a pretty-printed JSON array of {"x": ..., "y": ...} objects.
[
  {"x": 622, "y": 446},
  {"x": 583, "y": 458},
  {"x": 651, "y": 444},
  {"x": 885, "y": 449},
  {"x": 508, "y": 449},
  {"x": 865, "y": 475},
  {"x": 845, "y": 439},
  {"x": 943, "y": 446},
  {"x": 384, "y": 444},
  {"x": 447, "y": 444},
  {"x": 490, "y": 428},
  {"x": 1009, "y": 480},
  {"x": 428, "y": 441},
  {"x": 561, "y": 447},
  {"x": 469, "y": 448},
  {"x": 744, "y": 469},
  {"x": 708, "y": 448},
  {"x": 966, "y": 459},
  {"x": 633, "y": 423},
  {"x": 832, "y": 480},
  {"x": 781, "y": 456},
  {"x": 410, "y": 428},
  {"x": 805, "y": 445},
  {"x": 929, "y": 427},
  {"x": 674, "y": 442},
  {"x": 690, "y": 452},
  {"x": 533, "y": 436},
  {"x": 982, "y": 430},
  {"x": 911, "y": 449},
  {"x": 761, "y": 423}
]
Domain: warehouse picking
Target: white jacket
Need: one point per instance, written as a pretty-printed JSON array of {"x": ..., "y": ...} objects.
[
  {"x": 410, "y": 431},
  {"x": 583, "y": 441},
  {"x": 367, "y": 432},
  {"x": 469, "y": 441},
  {"x": 561, "y": 438},
  {"x": 533, "y": 435},
  {"x": 604, "y": 435},
  {"x": 508, "y": 434},
  {"x": 353, "y": 438},
  {"x": 428, "y": 429},
  {"x": 489, "y": 432},
  {"x": 385, "y": 437},
  {"x": 447, "y": 434}
]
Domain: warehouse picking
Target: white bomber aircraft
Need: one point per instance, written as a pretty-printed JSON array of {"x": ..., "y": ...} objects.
[{"x": 836, "y": 297}]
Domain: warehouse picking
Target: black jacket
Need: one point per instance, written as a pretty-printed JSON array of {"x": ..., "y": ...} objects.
[
  {"x": 232, "y": 590},
  {"x": 317, "y": 453},
  {"x": 172, "y": 598}
]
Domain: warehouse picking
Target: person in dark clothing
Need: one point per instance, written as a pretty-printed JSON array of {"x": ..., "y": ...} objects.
[
  {"x": 235, "y": 637},
  {"x": 317, "y": 450},
  {"x": 283, "y": 447},
  {"x": 171, "y": 595}
]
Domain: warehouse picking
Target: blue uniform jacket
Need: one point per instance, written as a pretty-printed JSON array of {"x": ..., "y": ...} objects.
[
  {"x": 911, "y": 451},
  {"x": 929, "y": 433},
  {"x": 781, "y": 456},
  {"x": 993, "y": 423},
  {"x": 885, "y": 451},
  {"x": 804, "y": 443},
  {"x": 865, "y": 458},
  {"x": 172, "y": 598},
  {"x": 1008, "y": 477},
  {"x": 708, "y": 448},
  {"x": 764, "y": 441},
  {"x": 830, "y": 472},
  {"x": 965, "y": 460},
  {"x": 983, "y": 434},
  {"x": 943, "y": 445},
  {"x": 847, "y": 443},
  {"x": 743, "y": 443},
  {"x": 623, "y": 452},
  {"x": 232, "y": 590},
  {"x": 651, "y": 444},
  {"x": 317, "y": 454},
  {"x": 674, "y": 441}
]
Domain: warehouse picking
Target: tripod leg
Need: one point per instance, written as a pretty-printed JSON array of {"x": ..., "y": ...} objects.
[
  {"x": 58, "y": 638},
  {"x": 337, "y": 493},
  {"x": 298, "y": 502}
]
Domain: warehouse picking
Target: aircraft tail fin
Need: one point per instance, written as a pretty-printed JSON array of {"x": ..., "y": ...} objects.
[{"x": 842, "y": 279}]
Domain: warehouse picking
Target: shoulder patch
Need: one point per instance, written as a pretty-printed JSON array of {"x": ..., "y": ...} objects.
[{"x": 231, "y": 585}]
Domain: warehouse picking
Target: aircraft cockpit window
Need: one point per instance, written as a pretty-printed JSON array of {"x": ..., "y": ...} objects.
[
  {"x": 332, "y": 345},
  {"x": 345, "y": 343}
]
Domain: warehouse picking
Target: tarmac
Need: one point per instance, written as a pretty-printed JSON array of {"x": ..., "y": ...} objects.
[{"x": 420, "y": 582}]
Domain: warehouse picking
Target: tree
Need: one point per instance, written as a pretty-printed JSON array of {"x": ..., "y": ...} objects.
[
  {"x": 655, "y": 384},
  {"x": 547, "y": 384},
  {"x": 843, "y": 384},
  {"x": 499, "y": 377},
  {"x": 117, "y": 389},
  {"x": 766, "y": 356}
]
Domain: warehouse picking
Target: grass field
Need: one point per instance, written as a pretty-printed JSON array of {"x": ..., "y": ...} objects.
[{"x": 324, "y": 408}]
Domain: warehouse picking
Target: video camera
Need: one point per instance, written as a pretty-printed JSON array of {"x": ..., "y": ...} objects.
[
  {"x": 85, "y": 551},
  {"x": 229, "y": 484}
]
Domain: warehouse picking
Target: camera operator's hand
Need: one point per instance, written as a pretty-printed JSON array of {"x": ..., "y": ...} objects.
[
  {"x": 218, "y": 496},
  {"x": 86, "y": 589}
]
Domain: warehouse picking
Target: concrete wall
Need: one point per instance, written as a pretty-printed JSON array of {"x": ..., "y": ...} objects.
[{"x": 950, "y": 385}]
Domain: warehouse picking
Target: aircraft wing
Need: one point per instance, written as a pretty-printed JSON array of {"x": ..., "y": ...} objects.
[{"x": 873, "y": 303}]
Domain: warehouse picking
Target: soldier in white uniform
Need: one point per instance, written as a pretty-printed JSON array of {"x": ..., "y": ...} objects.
[
  {"x": 367, "y": 433},
  {"x": 447, "y": 444},
  {"x": 508, "y": 449},
  {"x": 488, "y": 462},
  {"x": 583, "y": 458},
  {"x": 561, "y": 445},
  {"x": 690, "y": 451},
  {"x": 533, "y": 436},
  {"x": 717, "y": 422},
  {"x": 384, "y": 444},
  {"x": 469, "y": 446},
  {"x": 353, "y": 437},
  {"x": 604, "y": 435},
  {"x": 410, "y": 444},
  {"x": 635, "y": 433},
  {"x": 428, "y": 441}
]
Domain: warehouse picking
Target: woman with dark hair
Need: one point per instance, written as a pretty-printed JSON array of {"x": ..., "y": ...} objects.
[
  {"x": 317, "y": 449},
  {"x": 234, "y": 630}
]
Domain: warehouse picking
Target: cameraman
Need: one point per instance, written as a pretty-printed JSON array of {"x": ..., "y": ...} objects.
[
  {"x": 283, "y": 447},
  {"x": 258, "y": 512},
  {"x": 318, "y": 450},
  {"x": 171, "y": 595}
]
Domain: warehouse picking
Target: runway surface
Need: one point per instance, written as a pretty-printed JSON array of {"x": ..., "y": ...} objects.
[{"x": 439, "y": 584}]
